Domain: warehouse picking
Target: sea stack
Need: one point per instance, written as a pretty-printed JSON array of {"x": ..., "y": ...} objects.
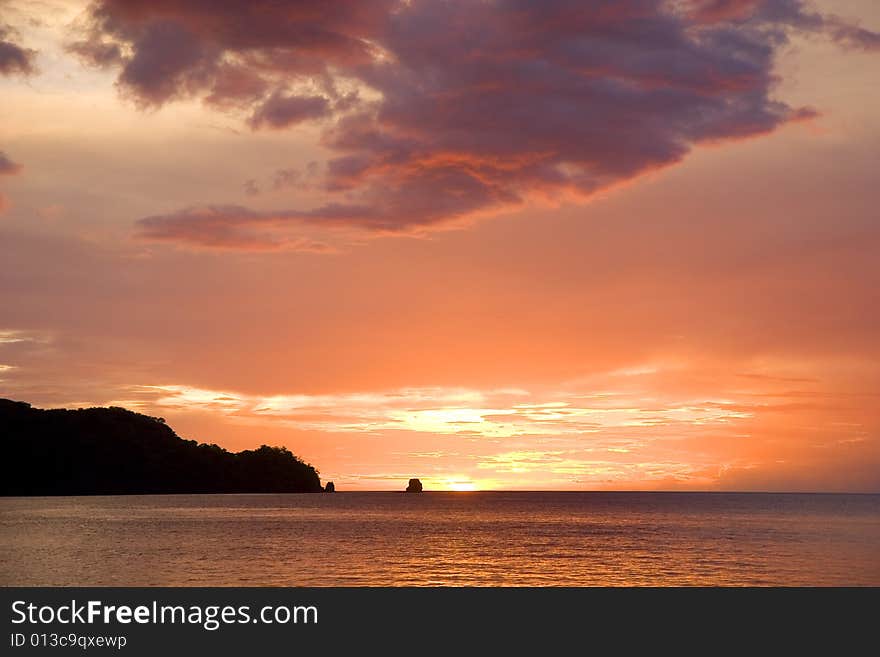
[
  {"x": 414, "y": 486},
  {"x": 330, "y": 487}
]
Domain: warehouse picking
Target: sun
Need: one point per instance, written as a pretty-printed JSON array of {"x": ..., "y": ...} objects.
[{"x": 461, "y": 485}]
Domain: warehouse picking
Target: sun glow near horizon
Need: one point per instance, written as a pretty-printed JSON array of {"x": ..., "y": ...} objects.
[
  {"x": 638, "y": 428},
  {"x": 419, "y": 260},
  {"x": 461, "y": 486}
]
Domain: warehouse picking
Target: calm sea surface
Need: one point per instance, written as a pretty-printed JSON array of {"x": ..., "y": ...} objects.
[{"x": 470, "y": 539}]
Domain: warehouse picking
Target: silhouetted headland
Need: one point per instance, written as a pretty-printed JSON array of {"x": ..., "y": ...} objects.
[
  {"x": 114, "y": 451},
  {"x": 414, "y": 486}
]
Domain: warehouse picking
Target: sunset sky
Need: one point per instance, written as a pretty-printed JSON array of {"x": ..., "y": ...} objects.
[{"x": 628, "y": 244}]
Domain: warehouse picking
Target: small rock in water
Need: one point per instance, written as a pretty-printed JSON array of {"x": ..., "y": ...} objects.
[{"x": 415, "y": 486}]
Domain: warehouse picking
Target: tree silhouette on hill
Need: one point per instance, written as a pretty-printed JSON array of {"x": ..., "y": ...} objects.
[{"x": 114, "y": 451}]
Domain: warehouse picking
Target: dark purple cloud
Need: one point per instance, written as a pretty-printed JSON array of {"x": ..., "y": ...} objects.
[
  {"x": 97, "y": 53},
  {"x": 282, "y": 111},
  {"x": 14, "y": 59},
  {"x": 793, "y": 13},
  {"x": 852, "y": 36},
  {"x": 230, "y": 52},
  {"x": 437, "y": 112},
  {"x": 7, "y": 166}
]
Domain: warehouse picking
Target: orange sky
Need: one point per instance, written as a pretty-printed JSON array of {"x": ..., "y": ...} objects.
[{"x": 486, "y": 279}]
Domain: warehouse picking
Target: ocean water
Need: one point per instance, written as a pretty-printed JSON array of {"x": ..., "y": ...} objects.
[{"x": 442, "y": 539}]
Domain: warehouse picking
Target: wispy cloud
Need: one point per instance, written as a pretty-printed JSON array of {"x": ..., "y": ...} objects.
[
  {"x": 464, "y": 412},
  {"x": 14, "y": 336}
]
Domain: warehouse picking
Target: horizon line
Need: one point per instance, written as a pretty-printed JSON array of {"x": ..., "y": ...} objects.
[{"x": 488, "y": 490}]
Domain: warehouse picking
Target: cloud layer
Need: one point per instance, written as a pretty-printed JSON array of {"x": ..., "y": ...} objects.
[
  {"x": 14, "y": 59},
  {"x": 438, "y": 112}
]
